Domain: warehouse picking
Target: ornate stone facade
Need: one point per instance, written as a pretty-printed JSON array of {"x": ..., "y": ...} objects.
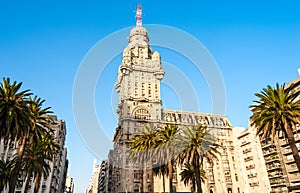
[{"x": 140, "y": 103}]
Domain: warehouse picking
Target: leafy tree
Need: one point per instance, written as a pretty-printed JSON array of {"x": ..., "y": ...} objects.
[
  {"x": 14, "y": 121},
  {"x": 162, "y": 171},
  {"x": 142, "y": 146},
  {"x": 188, "y": 175},
  {"x": 166, "y": 149},
  {"x": 37, "y": 157},
  {"x": 277, "y": 112},
  {"x": 6, "y": 168},
  {"x": 197, "y": 144},
  {"x": 22, "y": 119}
]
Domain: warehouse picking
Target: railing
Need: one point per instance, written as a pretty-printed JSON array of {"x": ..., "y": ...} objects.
[
  {"x": 247, "y": 150},
  {"x": 252, "y": 175},
  {"x": 248, "y": 158},
  {"x": 252, "y": 166},
  {"x": 254, "y": 184}
]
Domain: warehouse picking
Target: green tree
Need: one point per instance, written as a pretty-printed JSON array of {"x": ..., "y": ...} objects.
[
  {"x": 142, "y": 147},
  {"x": 277, "y": 112},
  {"x": 197, "y": 144},
  {"x": 6, "y": 168},
  {"x": 188, "y": 175},
  {"x": 166, "y": 149},
  {"x": 22, "y": 119},
  {"x": 14, "y": 121},
  {"x": 162, "y": 171},
  {"x": 37, "y": 157}
]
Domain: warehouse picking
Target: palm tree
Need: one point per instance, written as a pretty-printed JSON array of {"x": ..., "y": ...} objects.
[
  {"x": 14, "y": 120},
  {"x": 277, "y": 112},
  {"x": 197, "y": 144},
  {"x": 166, "y": 149},
  {"x": 161, "y": 170},
  {"x": 6, "y": 168},
  {"x": 13, "y": 110},
  {"x": 22, "y": 119},
  {"x": 188, "y": 175},
  {"x": 36, "y": 159},
  {"x": 39, "y": 118},
  {"x": 142, "y": 146}
]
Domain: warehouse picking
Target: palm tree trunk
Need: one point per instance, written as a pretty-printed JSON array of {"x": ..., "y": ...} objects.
[
  {"x": 197, "y": 172},
  {"x": 15, "y": 173},
  {"x": 141, "y": 177},
  {"x": 293, "y": 146},
  {"x": 37, "y": 183},
  {"x": 170, "y": 167},
  {"x": 27, "y": 181},
  {"x": 151, "y": 178},
  {"x": 164, "y": 183}
]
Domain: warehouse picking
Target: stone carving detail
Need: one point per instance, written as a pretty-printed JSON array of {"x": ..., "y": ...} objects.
[{"x": 192, "y": 118}]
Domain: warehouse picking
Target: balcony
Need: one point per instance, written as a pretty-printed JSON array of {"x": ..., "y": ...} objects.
[
  {"x": 271, "y": 158},
  {"x": 277, "y": 182},
  {"x": 275, "y": 174},
  {"x": 246, "y": 150},
  {"x": 253, "y": 175},
  {"x": 251, "y": 166},
  {"x": 249, "y": 158},
  {"x": 253, "y": 184},
  {"x": 245, "y": 142}
]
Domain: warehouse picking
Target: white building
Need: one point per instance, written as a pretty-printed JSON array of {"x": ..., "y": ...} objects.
[
  {"x": 93, "y": 184},
  {"x": 69, "y": 185}
]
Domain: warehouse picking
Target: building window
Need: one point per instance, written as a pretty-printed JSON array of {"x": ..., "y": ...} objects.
[{"x": 142, "y": 114}]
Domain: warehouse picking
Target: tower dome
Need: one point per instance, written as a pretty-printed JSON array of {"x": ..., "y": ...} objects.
[{"x": 138, "y": 35}]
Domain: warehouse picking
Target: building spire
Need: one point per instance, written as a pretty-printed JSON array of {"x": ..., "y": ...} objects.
[{"x": 138, "y": 15}]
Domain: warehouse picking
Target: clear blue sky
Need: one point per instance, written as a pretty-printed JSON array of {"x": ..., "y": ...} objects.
[{"x": 42, "y": 43}]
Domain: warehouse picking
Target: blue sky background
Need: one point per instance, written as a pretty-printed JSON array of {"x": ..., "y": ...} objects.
[{"x": 42, "y": 43}]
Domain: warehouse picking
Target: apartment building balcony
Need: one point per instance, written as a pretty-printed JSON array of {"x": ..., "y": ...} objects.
[
  {"x": 291, "y": 167},
  {"x": 275, "y": 174},
  {"x": 251, "y": 166},
  {"x": 249, "y": 158},
  {"x": 269, "y": 152},
  {"x": 277, "y": 182},
  {"x": 253, "y": 184},
  {"x": 266, "y": 144},
  {"x": 271, "y": 158},
  {"x": 279, "y": 189},
  {"x": 246, "y": 150},
  {"x": 245, "y": 142},
  {"x": 289, "y": 159},
  {"x": 252, "y": 175}
]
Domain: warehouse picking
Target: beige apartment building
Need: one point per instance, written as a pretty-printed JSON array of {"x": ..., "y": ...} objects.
[
  {"x": 94, "y": 180},
  {"x": 281, "y": 167},
  {"x": 251, "y": 176}
]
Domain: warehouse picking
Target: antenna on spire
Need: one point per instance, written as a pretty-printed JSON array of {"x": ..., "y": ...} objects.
[{"x": 138, "y": 15}]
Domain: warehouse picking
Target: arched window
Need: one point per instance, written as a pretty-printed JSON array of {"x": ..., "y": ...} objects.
[
  {"x": 142, "y": 114},
  {"x": 136, "y": 188}
]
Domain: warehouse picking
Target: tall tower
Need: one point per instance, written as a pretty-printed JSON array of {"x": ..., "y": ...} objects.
[
  {"x": 139, "y": 79},
  {"x": 138, "y": 85}
]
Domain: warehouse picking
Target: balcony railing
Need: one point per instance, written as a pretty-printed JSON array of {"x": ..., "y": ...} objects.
[
  {"x": 247, "y": 150},
  {"x": 252, "y": 175},
  {"x": 251, "y": 166},
  {"x": 253, "y": 184},
  {"x": 249, "y": 158}
]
